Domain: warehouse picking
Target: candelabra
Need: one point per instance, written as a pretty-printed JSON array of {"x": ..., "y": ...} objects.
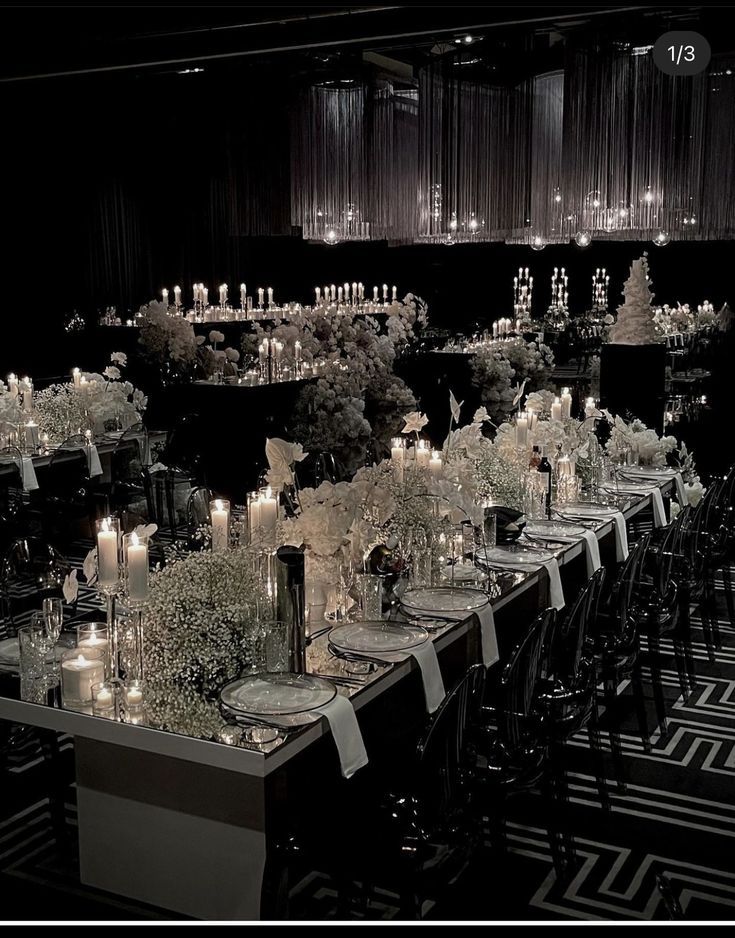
[
  {"x": 600, "y": 282},
  {"x": 523, "y": 294},
  {"x": 559, "y": 292}
]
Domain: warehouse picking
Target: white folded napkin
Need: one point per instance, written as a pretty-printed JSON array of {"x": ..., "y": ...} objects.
[
  {"x": 593, "y": 551},
  {"x": 9, "y": 651},
  {"x": 621, "y": 536},
  {"x": 30, "y": 480},
  {"x": 556, "y": 593},
  {"x": 659, "y": 512},
  {"x": 93, "y": 461},
  {"x": 681, "y": 492},
  {"x": 346, "y": 732},
  {"x": 489, "y": 639},
  {"x": 431, "y": 675}
]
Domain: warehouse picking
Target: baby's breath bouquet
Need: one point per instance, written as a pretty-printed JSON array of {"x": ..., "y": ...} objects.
[{"x": 200, "y": 631}]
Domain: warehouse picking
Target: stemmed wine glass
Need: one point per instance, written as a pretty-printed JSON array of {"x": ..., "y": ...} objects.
[{"x": 53, "y": 616}]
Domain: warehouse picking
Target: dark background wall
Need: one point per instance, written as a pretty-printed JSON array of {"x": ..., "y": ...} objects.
[{"x": 115, "y": 187}]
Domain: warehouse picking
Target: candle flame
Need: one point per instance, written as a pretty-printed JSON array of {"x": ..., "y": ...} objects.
[
  {"x": 218, "y": 504},
  {"x": 107, "y": 524},
  {"x": 134, "y": 540}
]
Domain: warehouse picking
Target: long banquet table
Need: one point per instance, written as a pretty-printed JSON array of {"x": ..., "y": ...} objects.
[{"x": 187, "y": 824}]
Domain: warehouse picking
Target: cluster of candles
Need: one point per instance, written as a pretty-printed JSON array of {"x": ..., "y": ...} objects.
[
  {"x": 350, "y": 294},
  {"x": 600, "y": 283},
  {"x": 522, "y": 292},
  {"x": 134, "y": 560},
  {"x": 422, "y": 455},
  {"x": 22, "y": 389},
  {"x": 560, "y": 409},
  {"x": 263, "y": 516},
  {"x": 504, "y": 327},
  {"x": 559, "y": 292},
  {"x": 201, "y": 296}
]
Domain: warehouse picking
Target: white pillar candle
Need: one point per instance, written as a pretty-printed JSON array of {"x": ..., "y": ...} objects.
[
  {"x": 297, "y": 350},
  {"x": 385, "y": 292},
  {"x": 397, "y": 451},
  {"x": 92, "y": 640},
  {"x": 566, "y": 403},
  {"x": 104, "y": 699},
  {"x": 76, "y": 377},
  {"x": 107, "y": 565},
  {"x": 318, "y": 294},
  {"x": 395, "y": 293},
  {"x": 27, "y": 389},
  {"x": 13, "y": 385},
  {"x": 137, "y": 569},
  {"x": 268, "y": 514},
  {"x": 220, "y": 524},
  {"x": 223, "y": 294},
  {"x": 270, "y": 296},
  {"x": 78, "y": 675},
  {"x": 164, "y": 295},
  {"x": 333, "y": 292},
  {"x": 522, "y": 430},
  {"x": 435, "y": 463},
  {"x": 205, "y": 296},
  {"x": 361, "y": 291},
  {"x": 177, "y": 296},
  {"x": 495, "y": 329},
  {"x": 590, "y": 408},
  {"x": 423, "y": 455},
  {"x": 354, "y": 292},
  {"x": 375, "y": 294},
  {"x": 261, "y": 296},
  {"x": 556, "y": 409},
  {"x": 253, "y": 514},
  {"x": 134, "y": 695},
  {"x": 339, "y": 294}
]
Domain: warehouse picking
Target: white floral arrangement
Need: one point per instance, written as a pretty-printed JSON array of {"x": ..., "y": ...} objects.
[
  {"x": 635, "y": 436},
  {"x": 495, "y": 368},
  {"x": 166, "y": 340},
  {"x": 10, "y": 412},
  {"x": 102, "y": 401},
  {"x": 200, "y": 631}
]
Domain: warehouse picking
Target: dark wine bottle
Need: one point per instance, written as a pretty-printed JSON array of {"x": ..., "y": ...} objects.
[{"x": 544, "y": 467}]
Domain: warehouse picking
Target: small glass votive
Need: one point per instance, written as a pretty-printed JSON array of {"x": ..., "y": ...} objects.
[
  {"x": 133, "y": 694},
  {"x": 81, "y": 669},
  {"x": 103, "y": 699},
  {"x": 259, "y": 735},
  {"x": 230, "y": 735}
]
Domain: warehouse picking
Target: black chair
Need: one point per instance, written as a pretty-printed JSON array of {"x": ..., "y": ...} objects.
[
  {"x": 616, "y": 650},
  {"x": 68, "y": 493},
  {"x": 184, "y": 462},
  {"x": 510, "y": 743},
  {"x": 128, "y": 477},
  {"x": 670, "y": 899},
  {"x": 566, "y": 694},
  {"x": 422, "y": 830},
  {"x": 11, "y": 488},
  {"x": 30, "y": 570}
]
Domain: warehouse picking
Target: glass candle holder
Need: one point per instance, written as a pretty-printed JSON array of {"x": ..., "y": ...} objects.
[
  {"x": 104, "y": 697},
  {"x": 95, "y": 635},
  {"x": 219, "y": 514},
  {"x": 135, "y": 567},
  {"x": 133, "y": 694},
  {"x": 81, "y": 669},
  {"x": 567, "y": 489},
  {"x": 108, "y": 553}
]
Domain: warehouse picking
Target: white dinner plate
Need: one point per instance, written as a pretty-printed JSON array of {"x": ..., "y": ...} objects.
[
  {"x": 277, "y": 694},
  {"x": 364, "y": 638},
  {"x": 515, "y": 555},
  {"x": 443, "y": 599}
]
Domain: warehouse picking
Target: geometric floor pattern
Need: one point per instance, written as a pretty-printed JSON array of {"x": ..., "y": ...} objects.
[{"x": 677, "y": 816}]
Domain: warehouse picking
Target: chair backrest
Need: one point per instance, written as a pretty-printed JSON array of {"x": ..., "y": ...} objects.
[
  {"x": 31, "y": 566},
  {"x": 671, "y": 900},
  {"x": 197, "y": 507},
  {"x": 622, "y": 598},
  {"x": 441, "y": 752},
  {"x": 128, "y": 457},
  {"x": 518, "y": 683},
  {"x": 184, "y": 444},
  {"x": 571, "y": 634},
  {"x": 67, "y": 471}
]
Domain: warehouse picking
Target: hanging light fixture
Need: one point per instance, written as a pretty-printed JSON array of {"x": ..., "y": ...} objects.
[
  {"x": 583, "y": 239},
  {"x": 661, "y": 238}
]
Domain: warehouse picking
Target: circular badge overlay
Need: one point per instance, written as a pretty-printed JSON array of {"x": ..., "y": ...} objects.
[{"x": 682, "y": 52}]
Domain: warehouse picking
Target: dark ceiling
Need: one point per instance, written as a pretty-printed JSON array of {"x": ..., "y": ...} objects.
[{"x": 39, "y": 41}]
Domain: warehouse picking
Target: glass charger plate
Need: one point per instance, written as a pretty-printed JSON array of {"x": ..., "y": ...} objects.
[
  {"x": 516, "y": 555},
  {"x": 647, "y": 472},
  {"x": 443, "y": 599},
  {"x": 376, "y": 637},
  {"x": 551, "y": 529},
  {"x": 586, "y": 510},
  {"x": 464, "y": 573},
  {"x": 266, "y": 694}
]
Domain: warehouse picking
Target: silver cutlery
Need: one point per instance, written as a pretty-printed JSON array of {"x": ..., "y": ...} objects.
[{"x": 340, "y": 679}]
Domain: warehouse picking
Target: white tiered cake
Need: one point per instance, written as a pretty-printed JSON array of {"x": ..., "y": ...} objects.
[{"x": 635, "y": 316}]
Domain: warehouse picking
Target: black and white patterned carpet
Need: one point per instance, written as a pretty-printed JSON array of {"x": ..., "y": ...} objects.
[{"x": 677, "y": 816}]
